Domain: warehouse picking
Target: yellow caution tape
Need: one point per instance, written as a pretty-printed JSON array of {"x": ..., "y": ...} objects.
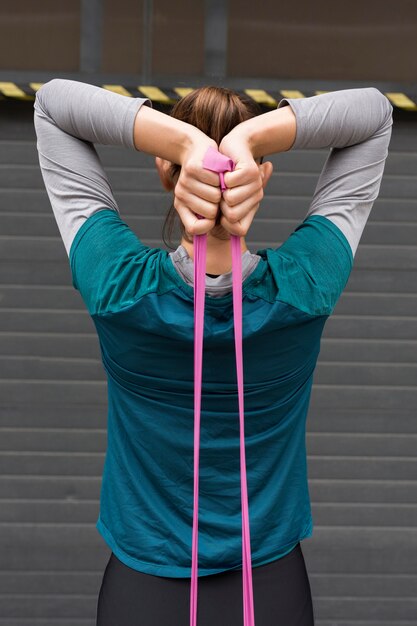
[
  {"x": 168, "y": 96},
  {"x": 402, "y": 101},
  {"x": 155, "y": 94},
  {"x": 118, "y": 89},
  {"x": 11, "y": 90},
  {"x": 289, "y": 93},
  {"x": 261, "y": 97},
  {"x": 36, "y": 86},
  {"x": 183, "y": 91}
]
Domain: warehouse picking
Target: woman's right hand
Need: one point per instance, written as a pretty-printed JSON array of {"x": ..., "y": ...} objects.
[
  {"x": 268, "y": 133},
  {"x": 245, "y": 184}
]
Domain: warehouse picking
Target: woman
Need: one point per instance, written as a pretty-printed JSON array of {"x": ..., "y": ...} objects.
[{"x": 141, "y": 301}]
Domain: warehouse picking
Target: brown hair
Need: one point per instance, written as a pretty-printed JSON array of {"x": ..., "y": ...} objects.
[{"x": 215, "y": 111}]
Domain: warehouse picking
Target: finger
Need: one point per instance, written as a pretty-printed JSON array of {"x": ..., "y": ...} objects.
[
  {"x": 237, "y": 213},
  {"x": 247, "y": 221},
  {"x": 192, "y": 223},
  {"x": 204, "y": 191},
  {"x": 243, "y": 174},
  {"x": 197, "y": 205},
  {"x": 238, "y": 195},
  {"x": 196, "y": 171},
  {"x": 239, "y": 228}
]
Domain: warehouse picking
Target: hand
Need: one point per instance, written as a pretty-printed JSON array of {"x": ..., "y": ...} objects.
[
  {"x": 245, "y": 184},
  {"x": 197, "y": 192},
  {"x": 178, "y": 144},
  {"x": 196, "y": 189}
]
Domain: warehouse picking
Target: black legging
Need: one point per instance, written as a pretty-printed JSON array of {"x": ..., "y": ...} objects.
[{"x": 281, "y": 596}]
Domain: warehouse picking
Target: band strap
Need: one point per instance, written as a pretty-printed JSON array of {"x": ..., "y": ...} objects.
[{"x": 217, "y": 162}]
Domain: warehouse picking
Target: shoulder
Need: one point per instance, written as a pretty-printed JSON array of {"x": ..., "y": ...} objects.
[
  {"x": 111, "y": 267},
  {"x": 311, "y": 268}
]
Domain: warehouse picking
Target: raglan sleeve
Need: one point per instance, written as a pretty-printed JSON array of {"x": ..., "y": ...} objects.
[
  {"x": 356, "y": 124},
  {"x": 69, "y": 118}
]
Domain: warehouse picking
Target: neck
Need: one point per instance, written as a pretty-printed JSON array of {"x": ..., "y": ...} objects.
[{"x": 219, "y": 253}]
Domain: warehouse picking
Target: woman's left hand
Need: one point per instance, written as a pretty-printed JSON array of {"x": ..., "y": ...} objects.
[
  {"x": 172, "y": 141},
  {"x": 197, "y": 191}
]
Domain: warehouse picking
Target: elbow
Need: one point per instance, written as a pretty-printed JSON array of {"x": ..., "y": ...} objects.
[
  {"x": 39, "y": 104},
  {"x": 379, "y": 114},
  {"x": 386, "y": 108},
  {"x": 43, "y": 91},
  {"x": 41, "y": 108},
  {"x": 46, "y": 86}
]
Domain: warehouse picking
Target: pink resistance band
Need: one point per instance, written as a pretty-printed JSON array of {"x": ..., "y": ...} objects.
[{"x": 217, "y": 162}]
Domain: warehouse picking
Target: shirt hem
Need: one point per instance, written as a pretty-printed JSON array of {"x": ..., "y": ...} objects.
[{"x": 173, "y": 571}]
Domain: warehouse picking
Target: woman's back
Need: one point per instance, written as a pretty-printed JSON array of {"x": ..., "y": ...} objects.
[{"x": 144, "y": 320}]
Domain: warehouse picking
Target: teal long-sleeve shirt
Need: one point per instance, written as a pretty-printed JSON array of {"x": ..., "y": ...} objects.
[{"x": 140, "y": 299}]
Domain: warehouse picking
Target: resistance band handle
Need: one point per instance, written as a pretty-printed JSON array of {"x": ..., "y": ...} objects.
[{"x": 217, "y": 162}]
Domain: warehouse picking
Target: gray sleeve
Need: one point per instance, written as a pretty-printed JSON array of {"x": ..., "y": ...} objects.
[
  {"x": 356, "y": 124},
  {"x": 69, "y": 117}
]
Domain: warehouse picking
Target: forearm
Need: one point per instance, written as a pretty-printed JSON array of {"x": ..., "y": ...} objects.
[
  {"x": 101, "y": 116},
  {"x": 339, "y": 118},
  {"x": 268, "y": 133},
  {"x": 89, "y": 112},
  {"x": 162, "y": 135},
  {"x": 335, "y": 119}
]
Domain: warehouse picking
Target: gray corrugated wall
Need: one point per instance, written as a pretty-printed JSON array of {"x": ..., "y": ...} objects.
[{"x": 362, "y": 425}]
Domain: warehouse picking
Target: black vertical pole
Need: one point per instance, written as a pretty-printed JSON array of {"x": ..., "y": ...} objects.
[
  {"x": 215, "y": 38},
  {"x": 91, "y": 40},
  {"x": 147, "y": 40}
]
